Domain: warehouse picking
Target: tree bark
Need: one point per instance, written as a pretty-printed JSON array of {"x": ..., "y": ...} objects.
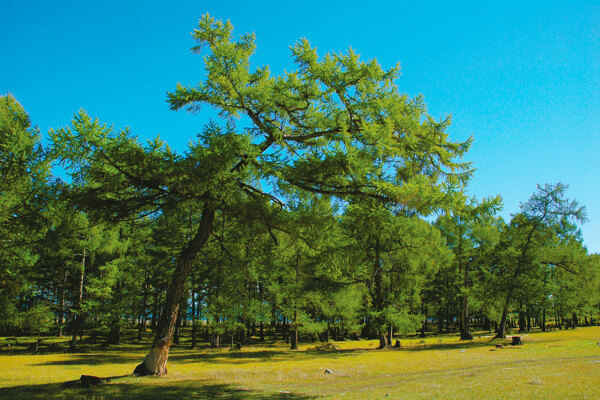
[
  {"x": 294, "y": 334},
  {"x": 115, "y": 332},
  {"x": 181, "y": 317},
  {"x": 382, "y": 339},
  {"x": 543, "y": 324},
  {"x": 502, "y": 326},
  {"x": 155, "y": 362}
]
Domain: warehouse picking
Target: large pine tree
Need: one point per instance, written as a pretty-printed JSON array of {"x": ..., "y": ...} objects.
[{"x": 335, "y": 126}]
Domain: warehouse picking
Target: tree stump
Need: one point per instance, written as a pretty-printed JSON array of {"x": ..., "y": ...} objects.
[
  {"x": 516, "y": 341},
  {"x": 397, "y": 345}
]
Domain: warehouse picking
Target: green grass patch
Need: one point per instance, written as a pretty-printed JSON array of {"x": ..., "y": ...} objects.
[{"x": 553, "y": 365}]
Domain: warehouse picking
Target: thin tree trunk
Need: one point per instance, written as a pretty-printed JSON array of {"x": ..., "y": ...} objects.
[
  {"x": 543, "y": 324},
  {"x": 115, "y": 332},
  {"x": 261, "y": 324},
  {"x": 294, "y": 336},
  {"x": 62, "y": 303},
  {"x": 143, "y": 312},
  {"x": 194, "y": 320},
  {"x": 522, "y": 322},
  {"x": 378, "y": 296},
  {"x": 78, "y": 318},
  {"x": 502, "y": 326},
  {"x": 465, "y": 333},
  {"x": 382, "y": 339},
  {"x": 155, "y": 362}
]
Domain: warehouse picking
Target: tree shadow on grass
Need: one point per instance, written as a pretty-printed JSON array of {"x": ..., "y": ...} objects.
[
  {"x": 22, "y": 348},
  {"x": 242, "y": 357},
  {"x": 144, "y": 390},
  {"x": 96, "y": 359},
  {"x": 280, "y": 355},
  {"x": 472, "y": 344}
]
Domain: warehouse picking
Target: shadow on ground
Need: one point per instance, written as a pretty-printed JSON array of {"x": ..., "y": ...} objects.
[
  {"x": 96, "y": 359},
  {"x": 253, "y": 356},
  {"x": 281, "y": 355},
  {"x": 143, "y": 390},
  {"x": 472, "y": 344}
]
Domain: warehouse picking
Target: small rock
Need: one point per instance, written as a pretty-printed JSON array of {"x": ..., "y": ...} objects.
[
  {"x": 462, "y": 351},
  {"x": 329, "y": 371}
]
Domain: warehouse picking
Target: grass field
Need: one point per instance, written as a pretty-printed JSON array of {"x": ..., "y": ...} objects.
[{"x": 553, "y": 365}]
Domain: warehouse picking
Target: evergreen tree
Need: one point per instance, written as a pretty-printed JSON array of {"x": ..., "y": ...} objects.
[
  {"x": 24, "y": 190},
  {"x": 336, "y": 126},
  {"x": 542, "y": 220},
  {"x": 461, "y": 228}
]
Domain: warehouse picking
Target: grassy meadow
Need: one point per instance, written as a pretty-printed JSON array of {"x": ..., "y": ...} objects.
[{"x": 552, "y": 365}]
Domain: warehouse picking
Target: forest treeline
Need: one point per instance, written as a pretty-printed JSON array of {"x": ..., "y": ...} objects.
[{"x": 323, "y": 205}]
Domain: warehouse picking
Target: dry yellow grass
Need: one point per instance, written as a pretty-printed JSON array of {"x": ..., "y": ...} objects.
[{"x": 554, "y": 365}]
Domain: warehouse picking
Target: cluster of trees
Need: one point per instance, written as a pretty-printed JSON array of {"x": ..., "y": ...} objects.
[{"x": 324, "y": 204}]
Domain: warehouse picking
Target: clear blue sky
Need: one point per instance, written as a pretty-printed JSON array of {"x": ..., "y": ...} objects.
[{"x": 522, "y": 79}]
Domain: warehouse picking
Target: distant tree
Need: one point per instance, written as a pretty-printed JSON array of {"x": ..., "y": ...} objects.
[
  {"x": 464, "y": 229},
  {"x": 542, "y": 220},
  {"x": 574, "y": 278},
  {"x": 395, "y": 252}
]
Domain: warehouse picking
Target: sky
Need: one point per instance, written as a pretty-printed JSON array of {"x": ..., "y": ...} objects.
[{"x": 521, "y": 78}]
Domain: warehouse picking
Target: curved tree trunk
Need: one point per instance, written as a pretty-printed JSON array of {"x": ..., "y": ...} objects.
[{"x": 155, "y": 362}]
